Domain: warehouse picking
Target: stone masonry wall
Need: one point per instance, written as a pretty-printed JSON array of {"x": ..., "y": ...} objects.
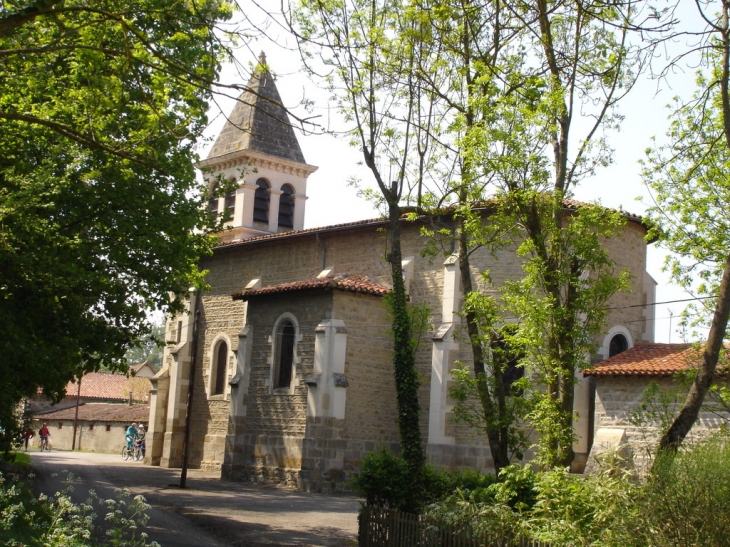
[
  {"x": 334, "y": 448},
  {"x": 276, "y": 419},
  {"x": 618, "y": 396},
  {"x": 371, "y": 411},
  {"x": 356, "y": 251},
  {"x": 629, "y": 251}
]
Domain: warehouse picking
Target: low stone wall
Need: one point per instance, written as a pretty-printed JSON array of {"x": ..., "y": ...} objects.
[{"x": 618, "y": 397}]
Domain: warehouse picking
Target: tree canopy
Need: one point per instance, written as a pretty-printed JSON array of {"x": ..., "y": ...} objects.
[
  {"x": 689, "y": 178},
  {"x": 100, "y": 213}
]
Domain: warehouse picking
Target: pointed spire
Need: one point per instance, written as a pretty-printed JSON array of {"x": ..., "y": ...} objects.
[{"x": 259, "y": 121}]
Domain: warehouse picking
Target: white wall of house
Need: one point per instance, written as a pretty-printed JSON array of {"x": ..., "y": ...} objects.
[{"x": 105, "y": 437}]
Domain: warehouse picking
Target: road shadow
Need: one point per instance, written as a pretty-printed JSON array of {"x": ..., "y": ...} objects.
[
  {"x": 237, "y": 533},
  {"x": 235, "y": 513}
]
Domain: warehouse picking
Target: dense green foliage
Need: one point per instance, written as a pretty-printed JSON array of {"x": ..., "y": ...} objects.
[
  {"x": 384, "y": 478},
  {"x": 460, "y": 103},
  {"x": 684, "y": 503},
  {"x": 689, "y": 179},
  {"x": 100, "y": 106},
  {"x": 149, "y": 348},
  {"x": 55, "y": 521}
]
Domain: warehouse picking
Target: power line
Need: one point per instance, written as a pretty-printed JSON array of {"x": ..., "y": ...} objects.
[{"x": 660, "y": 303}]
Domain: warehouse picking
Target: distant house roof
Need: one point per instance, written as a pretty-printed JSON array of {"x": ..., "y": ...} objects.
[
  {"x": 650, "y": 359},
  {"x": 99, "y": 412},
  {"x": 259, "y": 121},
  {"x": 110, "y": 386},
  {"x": 143, "y": 369},
  {"x": 344, "y": 282}
]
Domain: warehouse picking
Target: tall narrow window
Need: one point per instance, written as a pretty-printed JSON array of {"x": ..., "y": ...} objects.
[
  {"x": 213, "y": 201},
  {"x": 220, "y": 368},
  {"x": 231, "y": 201},
  {"x": 261, "y": 202},
  {"x": 285, "y": 355},
  {"x": 286, "y": 207}
]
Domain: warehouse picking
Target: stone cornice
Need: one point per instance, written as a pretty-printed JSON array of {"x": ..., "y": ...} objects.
[{"x": 251, "y": 158}]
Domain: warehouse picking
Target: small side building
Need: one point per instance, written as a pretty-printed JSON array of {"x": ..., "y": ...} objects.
[
  {"x": 107, "y": 402},
  {"x": 100, "y": 426},
  {"x": 621, "y": 385}
]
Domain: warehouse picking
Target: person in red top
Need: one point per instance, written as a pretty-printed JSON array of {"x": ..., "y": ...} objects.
[
  {"x": 44, "y": 434},
  {"x": 28, "y": 434}
]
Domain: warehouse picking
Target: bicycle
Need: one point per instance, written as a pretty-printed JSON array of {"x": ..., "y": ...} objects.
[
  {"x": 135, "y": 453},
  {"x": 45, "y": 444}
]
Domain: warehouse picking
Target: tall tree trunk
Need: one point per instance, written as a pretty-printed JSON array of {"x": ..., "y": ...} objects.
[
  {"x": 686, "y": 418},
  {"x": 404, "y": 366},
  {"x": 496, "y": 435}
]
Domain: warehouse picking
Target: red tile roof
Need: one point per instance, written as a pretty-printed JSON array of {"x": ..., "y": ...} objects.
[
  {"x": 650, "y": 359},
  {"x": 344, "y": 282},
  {"x": 110, "y": 386},
  {"x": 569, "y": 204},
  {"x": 99, "y": 412}
]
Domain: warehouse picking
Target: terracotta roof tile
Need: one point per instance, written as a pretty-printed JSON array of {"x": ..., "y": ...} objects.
[
  {"x": 649, "y": 359},
  {"x": 110, "y": 385},
  {"x": 100, "y": 412},
  {"x": 574, "y": 204},
  {"x": 570, "y": 204},
  {"x": 344, "y": 282}
]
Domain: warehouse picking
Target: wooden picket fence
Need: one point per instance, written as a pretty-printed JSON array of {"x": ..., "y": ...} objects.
[{"x": 393, "y": 528}]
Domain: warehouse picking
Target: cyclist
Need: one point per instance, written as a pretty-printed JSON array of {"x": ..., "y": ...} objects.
[
  {"x": 141, "y": 441},
  {"x": 43, "y": 433},
  {"x": 131, "y": 435}
]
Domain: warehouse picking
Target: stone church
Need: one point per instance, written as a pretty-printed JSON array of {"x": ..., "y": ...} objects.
[{"x": 293, "y": 380}]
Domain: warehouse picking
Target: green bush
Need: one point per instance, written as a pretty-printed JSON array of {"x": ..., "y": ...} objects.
[
  {"x": 383, "y": 481},
  {"x": 686, "y": 501},
  {"x": 464, "y": 511},
  {"x": 576, "y": 510},
  {"x": 55, "y": 521},
  {"x": 471, "y": 480},
  {"x": 515, "y": 487}
]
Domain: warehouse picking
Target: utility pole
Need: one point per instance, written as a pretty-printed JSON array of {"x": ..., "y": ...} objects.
[
  {"x": 76, "y": 417},
  {"x": 191, "y": 389},
  {"x": 670, "y": 324}
]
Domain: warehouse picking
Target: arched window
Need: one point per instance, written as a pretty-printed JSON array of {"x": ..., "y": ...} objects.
[
  {"x": 213, "y": 201},
  {"x": 285, "y": 335},
  {"x": 231, "y": 201},
  {"x": 261, "y": 202},
  {"x": 286, "y": 207},
  {"x": 219, "y": 368},
  {"x": 618, "y": 344}
]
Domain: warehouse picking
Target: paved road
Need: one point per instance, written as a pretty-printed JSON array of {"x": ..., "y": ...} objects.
[{"x": 209, "y": 512}]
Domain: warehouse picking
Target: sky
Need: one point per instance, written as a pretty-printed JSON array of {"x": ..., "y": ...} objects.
[{"x": 332, "y": 200}]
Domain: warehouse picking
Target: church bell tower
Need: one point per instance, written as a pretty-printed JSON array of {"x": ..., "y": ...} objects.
[{"x": 258, "y": 149}]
